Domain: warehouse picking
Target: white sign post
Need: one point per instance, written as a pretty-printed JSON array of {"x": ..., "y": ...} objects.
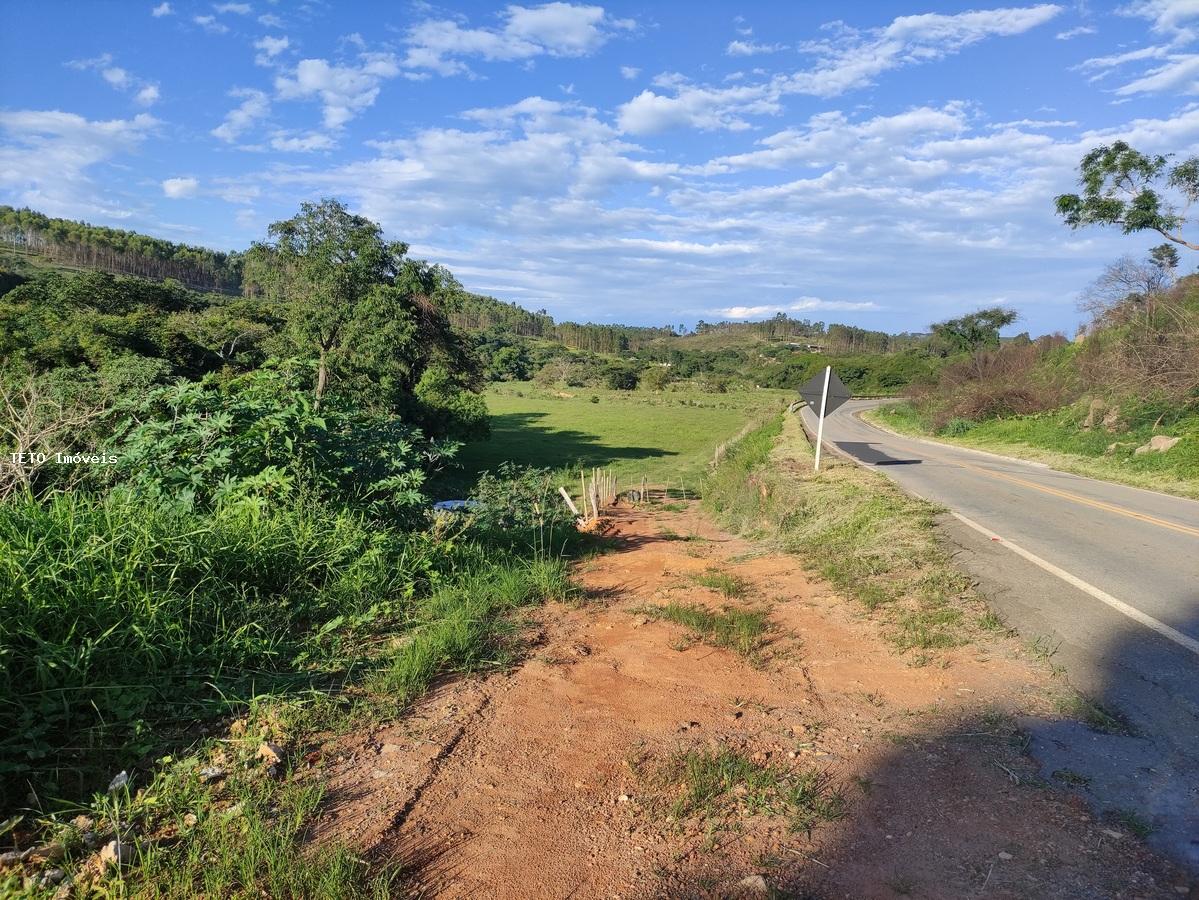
[
  {"x": 825, "y": 392},
  {"x": 828, "y": 371}
]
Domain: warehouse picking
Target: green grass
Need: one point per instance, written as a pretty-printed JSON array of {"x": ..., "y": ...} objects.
[
  {"x": 123, "y": 626},
  {"x": 1091, "y": 713},
  {"x": 668, "y": 437},
  {"x": 865, "y": 536},
  {"x": 1057, "y": 439},
  {"x": 731, "y": 586},
  {"x": 669, "y": 534},
  {"x": 253, "y": 851},
  {"x": 462, "y": 626},
  {"x": 740, "y": 630},
  {"x": 709, "y": 784}
]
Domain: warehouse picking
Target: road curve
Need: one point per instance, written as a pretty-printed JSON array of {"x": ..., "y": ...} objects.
[{"x": 1108, "y": 574}]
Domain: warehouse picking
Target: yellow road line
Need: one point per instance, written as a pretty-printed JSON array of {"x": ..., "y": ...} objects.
[
  {"x": 1086, "y": 501},
  {"x": 1066, "y": 495}
]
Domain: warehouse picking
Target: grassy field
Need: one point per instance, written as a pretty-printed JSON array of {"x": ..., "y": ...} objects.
[
  {"x": 1057, "y": 439},
  {"x": 668, "y": 436}
]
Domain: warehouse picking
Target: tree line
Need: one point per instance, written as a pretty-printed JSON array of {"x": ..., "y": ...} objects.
[{"x": 79, "y": 244}]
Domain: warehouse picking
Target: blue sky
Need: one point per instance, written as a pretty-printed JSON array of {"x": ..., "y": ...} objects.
[{"x": 883, "y": 164}]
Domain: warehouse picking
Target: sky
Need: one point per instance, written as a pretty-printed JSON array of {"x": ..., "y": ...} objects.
[{"x": 881, "y": 164}]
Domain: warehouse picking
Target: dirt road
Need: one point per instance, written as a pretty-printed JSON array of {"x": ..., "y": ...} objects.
[{"x": 547, "y": 781}]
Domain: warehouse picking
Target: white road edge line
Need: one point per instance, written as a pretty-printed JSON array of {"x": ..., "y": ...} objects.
[{"x": 1118, "y": 605}]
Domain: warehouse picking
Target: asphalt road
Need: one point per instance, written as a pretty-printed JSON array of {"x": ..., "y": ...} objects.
[{"x": 1106, "y": 577}]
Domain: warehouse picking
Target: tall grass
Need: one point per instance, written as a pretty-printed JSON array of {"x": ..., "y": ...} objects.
[
  {"x": 118, "y": 618},
  {"x": 462, "y": 626}
]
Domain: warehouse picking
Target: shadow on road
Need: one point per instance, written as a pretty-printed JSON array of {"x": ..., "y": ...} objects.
[{"x": 867, "y": 453}]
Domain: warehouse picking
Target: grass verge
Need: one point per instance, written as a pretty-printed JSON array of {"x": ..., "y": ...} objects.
[
  {"x": 866, "y": 537},
  {"x": 1058, "y": 440}
]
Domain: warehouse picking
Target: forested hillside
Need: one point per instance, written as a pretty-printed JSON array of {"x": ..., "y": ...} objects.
[
  {"x": 197, "y": 331},
  {"x": 78, "y": 244}
]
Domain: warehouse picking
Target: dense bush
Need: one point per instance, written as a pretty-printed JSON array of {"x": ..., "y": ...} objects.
[
  {"x": 1016, "y": 379},
  {"x": 256, "y": 437},
  {"x": 621, "y": 378},
  {"x": 519, "y": 497},
  {"x": 119, "y": 617}
]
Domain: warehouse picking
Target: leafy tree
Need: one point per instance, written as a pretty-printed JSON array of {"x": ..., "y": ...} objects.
[
  {"x": 448, "y": 409},
  {"x": 321, "y": 266},
  {"x": 234, "y": 331},
  {"x": 1165, "y": 257},
  {"x": 655, "y": 378},
  {"x": 975, "y": 331},
  {"x": 1124, "y": 187},
  {"x": 620, "y": 378},
  {"x": 508, "y": 364}
]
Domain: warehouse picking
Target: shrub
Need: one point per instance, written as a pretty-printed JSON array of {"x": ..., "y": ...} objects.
[
  {"x": 256, "y": 436},
  {"x": 957, "y": 427},
  {"x": 655, "y": 378},
  {"x": 621, "y": 379},
  {"x": 519, "y": 497},
  {"x": 1012, "y": 380}
]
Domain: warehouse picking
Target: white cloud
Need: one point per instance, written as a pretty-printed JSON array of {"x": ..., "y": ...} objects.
[
  {"x": 849, "y": 60},
  {"x": 705, "y": 108},
  {"x": 629, "y": 72},
  {"x": 255, "y": 106},
  {"x": 343, "y": 90},
  {"x": 803, "y": 304},
  {"x": 162, "y": 9},
  {"x": 1175, "y": 19},
  {"x": 1180, "y": 73},
  {"x": 853, "y": 59},
  {"x": 97, "y": 62},
  {"x": 828, "y": 138},
  {"x": 116, "y": 76},
  {"x": 1077, "y": 31},
  {"x": 270, "y": 21},
  {"x": 1034, "y": 123},
  {"x": 1119, "y": 59},
  {"x": 269, "y": 48},
  {"x": 302, "y": 143},
  {"x": 237, "y": 9},
  {"x": 749, "y": 48},
  {"x": 180, "y": 188},
  {"x": 553, "y": 29},
  {"x": 147, "y": 96},
  {"x": 210, "y": 24},
  {"x": 46, "y": 157}
]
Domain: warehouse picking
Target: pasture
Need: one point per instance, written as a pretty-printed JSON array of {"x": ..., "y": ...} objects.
[{"x": 667, "y": 436}]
